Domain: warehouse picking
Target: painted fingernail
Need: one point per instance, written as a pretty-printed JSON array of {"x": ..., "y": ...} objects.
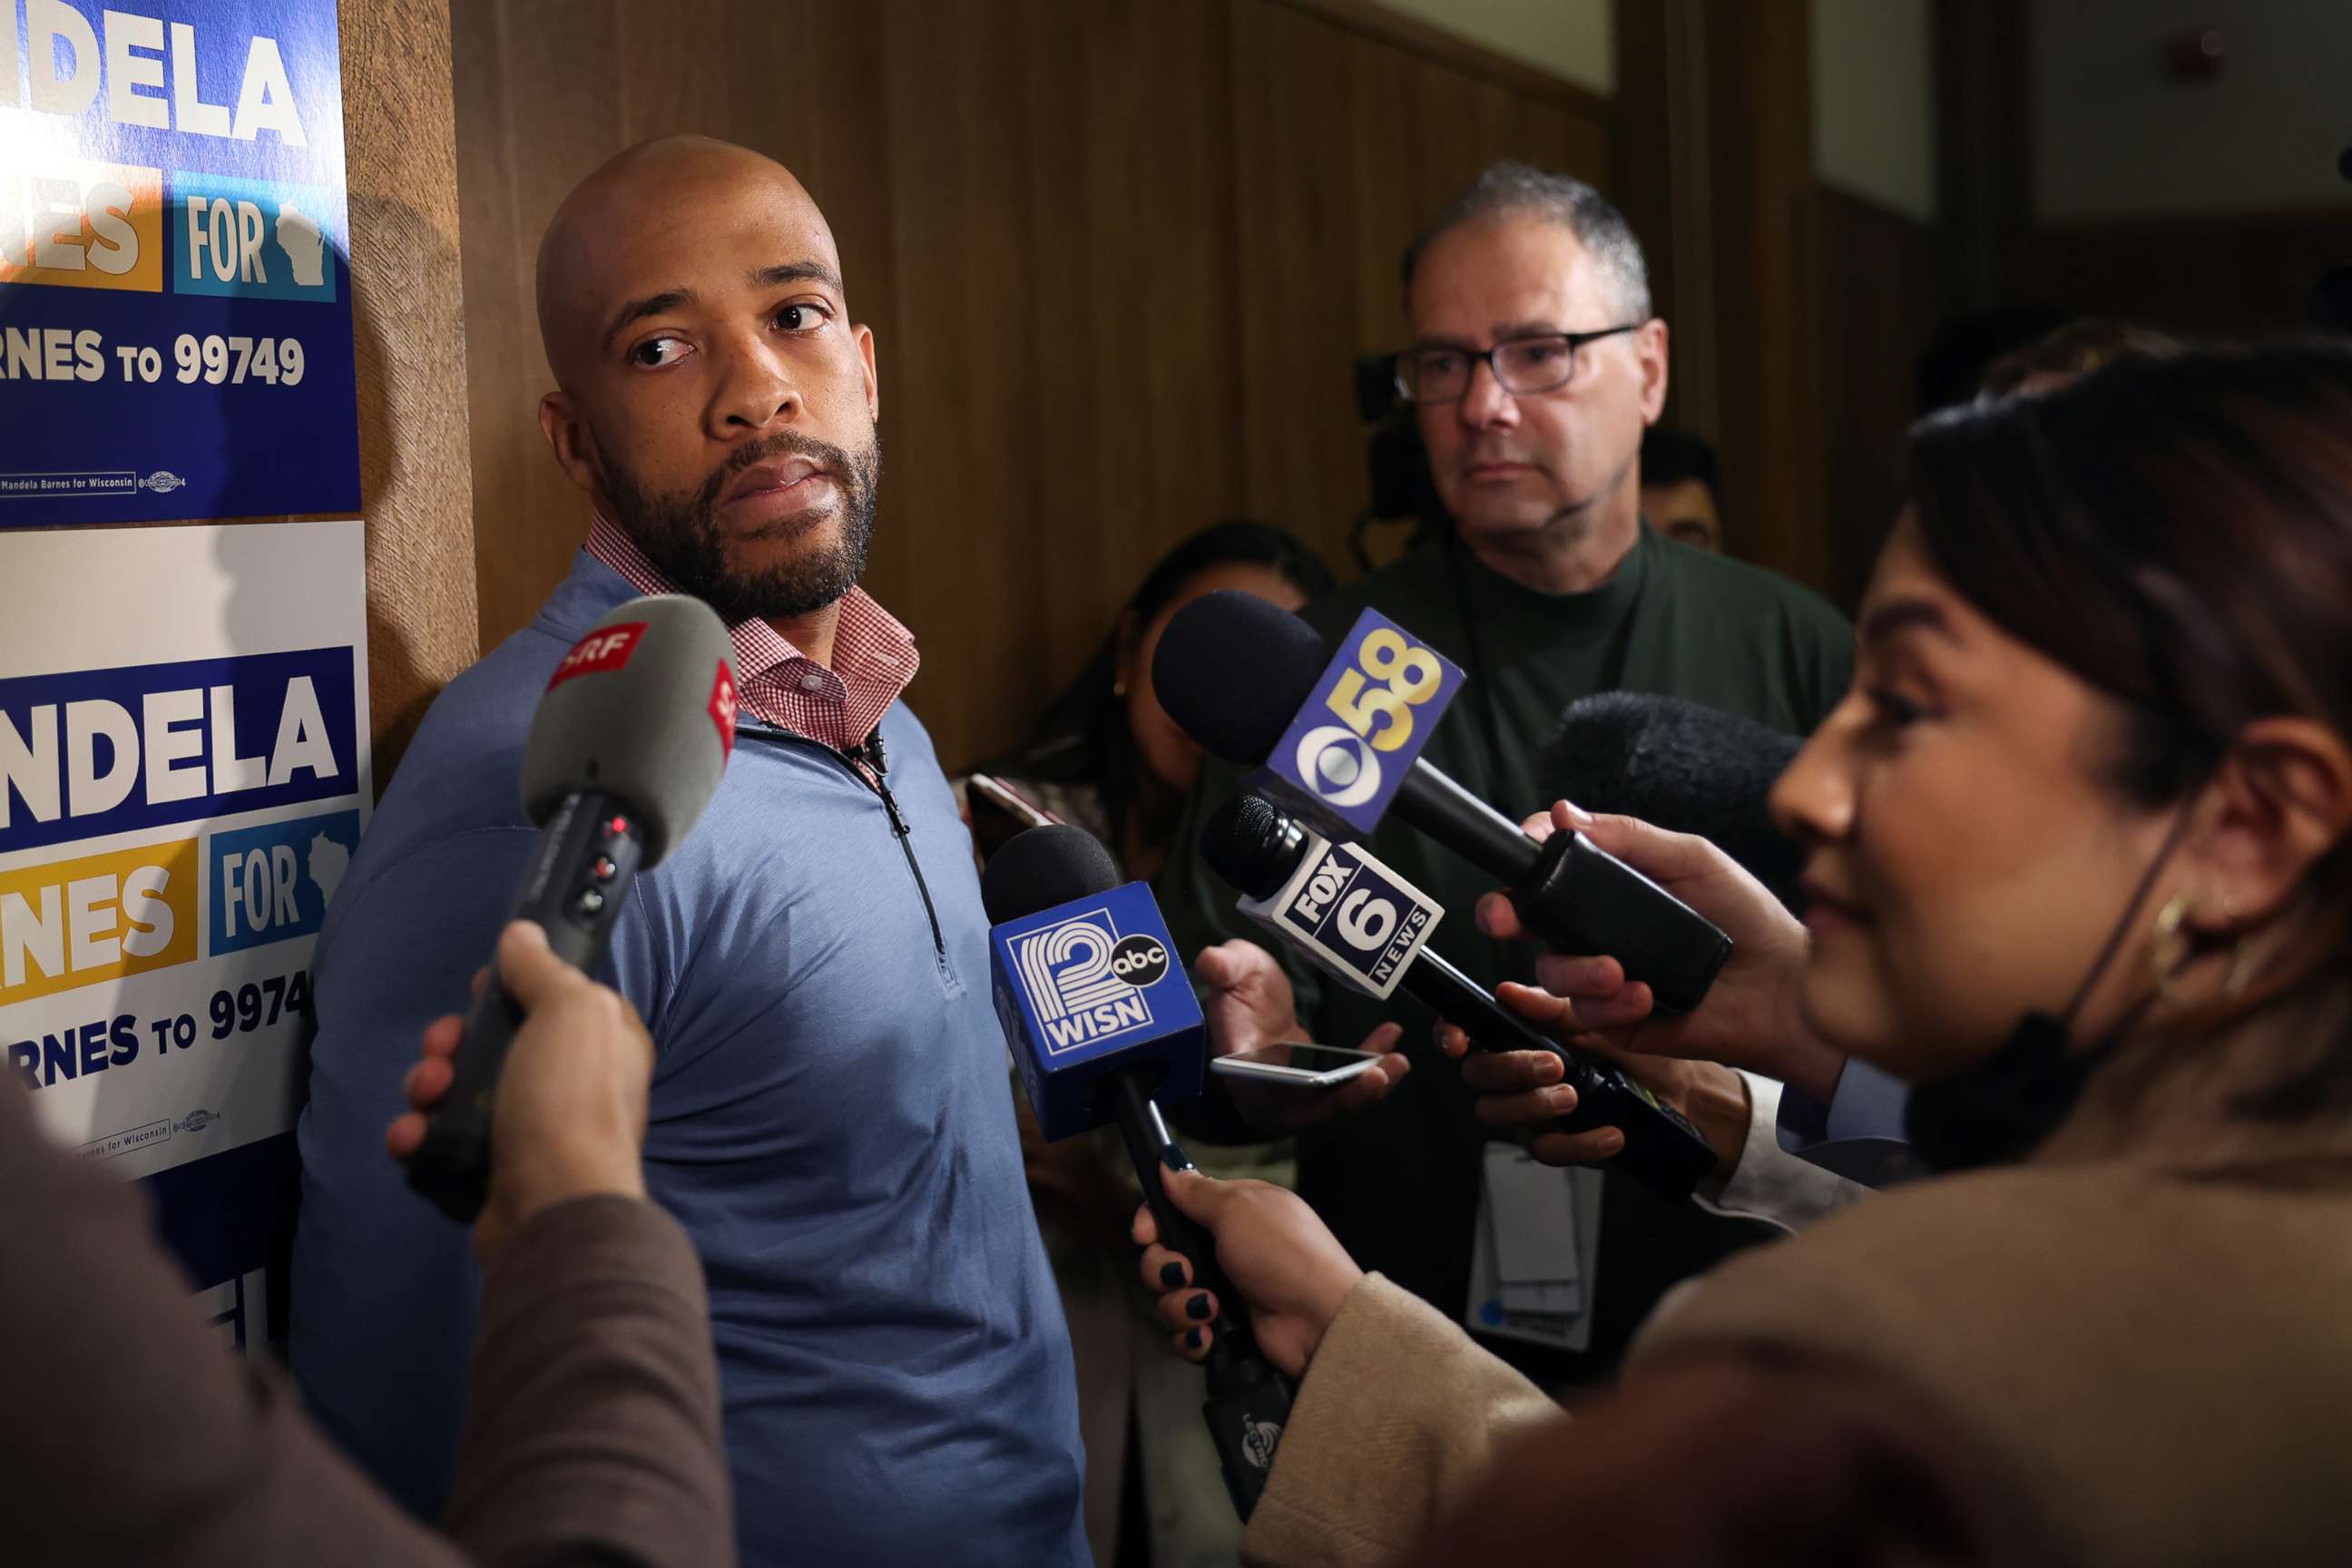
[
  {"x": 1193, "y": 1339},
  {"x": 1198, "y": 1307},
  {"x": 1171, "y": 1275},
  {"x": 1175, "y": 1159}
]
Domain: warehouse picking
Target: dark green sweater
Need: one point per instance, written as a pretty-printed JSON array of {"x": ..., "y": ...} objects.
[{"x": 1398, "y": 1185}]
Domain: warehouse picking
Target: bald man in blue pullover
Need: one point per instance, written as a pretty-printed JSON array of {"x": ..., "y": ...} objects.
[{"x": 831, "y": 1120}]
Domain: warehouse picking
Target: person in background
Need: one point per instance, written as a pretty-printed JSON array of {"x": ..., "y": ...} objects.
[
  {"x": 1535, "y": 366},
  {"x": 592, "y": 1428},
  {"x": 2081, "y": 871},
  {"x": 1107, "y": 758},
  {"x": 1106, "y": 755},
  {"x": 1681, "y": 497}
]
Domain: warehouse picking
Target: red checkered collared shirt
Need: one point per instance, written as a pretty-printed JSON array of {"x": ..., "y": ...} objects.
[{"x": 874, "y": 656}]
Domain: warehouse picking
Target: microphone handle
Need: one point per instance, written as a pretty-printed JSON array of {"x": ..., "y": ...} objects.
[
  {"x": 1573, "y": 894},
  {"x": 588, "y": 855},
  {"x": 1664, "y": 1151},
  {"x": 1249, "y": 1401}
]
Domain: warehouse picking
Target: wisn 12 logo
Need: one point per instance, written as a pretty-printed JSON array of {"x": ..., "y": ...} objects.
[
  {"x": 1086, "y": 982},
  {"x": 1367, "y": 720}
]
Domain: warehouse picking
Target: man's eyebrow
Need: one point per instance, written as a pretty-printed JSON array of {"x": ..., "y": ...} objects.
[
  {"x": 1504, "y": 334},
  {"x": 796, "y": 272},
  {"x": 651, "y": 305}
]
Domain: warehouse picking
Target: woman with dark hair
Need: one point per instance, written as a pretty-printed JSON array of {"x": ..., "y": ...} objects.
[
  {"x": 2079, "y": 871},
  {"x": 1107, "y": 758}
]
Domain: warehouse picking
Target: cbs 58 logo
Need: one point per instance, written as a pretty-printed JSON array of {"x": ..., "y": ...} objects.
[{"x": 1374, "y": 699}]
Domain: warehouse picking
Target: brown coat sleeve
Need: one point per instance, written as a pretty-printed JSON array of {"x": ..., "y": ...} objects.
[
  {"x": 1399, "y": 1415},
  {"x": 593, "y": 1417},
  {"x": 130, "y": 1437},
  {"x": 1742, "y": 1459},
  {"x": 1408, "y": 1443}
]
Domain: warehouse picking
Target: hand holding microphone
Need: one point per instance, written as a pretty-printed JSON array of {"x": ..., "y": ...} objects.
[
  {"x": 1277, "y": 1258},
  {"x": 1249, "y": 682},
  {"x": 1751, "y": 1018},
  {"x": 625, "y": 751},
  {"x": 569, "y": 1119},
  {"x": 1103, "y": 1024}
]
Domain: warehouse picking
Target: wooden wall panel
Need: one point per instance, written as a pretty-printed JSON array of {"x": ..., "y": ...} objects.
[
  {"x": 408, "y": 306},
  {"x": 1881, "y": 276},
  {"x": 1119, "y": 257}
]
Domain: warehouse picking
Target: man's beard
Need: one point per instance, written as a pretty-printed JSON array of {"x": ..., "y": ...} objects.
[{"x": 682, "y": 536}]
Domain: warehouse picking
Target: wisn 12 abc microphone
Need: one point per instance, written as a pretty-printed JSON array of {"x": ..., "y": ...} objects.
[
  {"x": 1103, "y": 1021},
  {"x": 625, "y": 751},
  {"x": 1362, "y": 922},
  {"x": 1250, "y": 681}
]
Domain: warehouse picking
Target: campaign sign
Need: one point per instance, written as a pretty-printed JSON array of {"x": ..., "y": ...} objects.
[
  {"x": 1090, "y": 986},
  {"x": 1368, "y": 718},
  {"x": 1352, "y": 915},
  {"x": 175, "y": 307},
  {"x": 183, "y": 778}
]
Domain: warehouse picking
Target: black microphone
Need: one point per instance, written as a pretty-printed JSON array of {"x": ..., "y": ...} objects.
[
  {"x": 1101, "y": 1017},
  {"x": 1234, "y": 670},
  {"x": 1300, "y": 883},
  {"x": 625, "y": 751},
  {"x": 1683, "y": 766}
]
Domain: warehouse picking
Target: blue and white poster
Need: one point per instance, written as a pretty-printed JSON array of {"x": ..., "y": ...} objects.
[
  {"x": 183, "y": 777},
  {"x": 175, "y": 303}
]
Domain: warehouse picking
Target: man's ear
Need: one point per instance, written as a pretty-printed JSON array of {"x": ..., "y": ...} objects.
[
  {"x": 1650, "y": 347},
  {"x": 2281, "y": 800},
  {"x": 873, "y": 375},
  {"x": 574, "y": 447}
]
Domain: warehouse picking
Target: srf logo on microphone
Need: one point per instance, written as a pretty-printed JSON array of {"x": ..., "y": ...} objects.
[
  {"x": 1086, "y": 982},
  {"x": 1366, "y": 721},
  {"x": 602, "y": 650}
]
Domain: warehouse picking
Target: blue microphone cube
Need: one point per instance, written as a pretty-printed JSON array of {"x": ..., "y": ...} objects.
[
  {"x": 1368, "y": 718},
  {"x": 1090, "y": 987}
]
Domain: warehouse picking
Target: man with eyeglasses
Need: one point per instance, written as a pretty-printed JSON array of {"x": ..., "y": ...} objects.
[{"x": 1535, "y": 366}]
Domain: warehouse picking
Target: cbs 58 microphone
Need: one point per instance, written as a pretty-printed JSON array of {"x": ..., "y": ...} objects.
[
  {"x": 1103, "y": 1020},
  {"x": 625, "y": 751},
  {"x": 1250, "y": 681},
  {"x": 1357, "y": 920}
]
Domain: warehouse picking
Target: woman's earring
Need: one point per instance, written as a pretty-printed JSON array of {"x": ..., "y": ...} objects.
[
  {"x": 1118, "y": 687},
  {"x": 2168, "y": 955}
]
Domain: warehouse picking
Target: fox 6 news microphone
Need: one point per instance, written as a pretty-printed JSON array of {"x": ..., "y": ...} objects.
[
  {"x": 1361, "y": 922},
  {"x": 625, "y": 751},
  {"x": 1248, "y": 680},
  {"x": 1103, "y": 1020}
]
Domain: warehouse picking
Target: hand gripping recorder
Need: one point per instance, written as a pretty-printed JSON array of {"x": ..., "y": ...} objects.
[
  {"x": 1103, "y": 1021},
  {"x": 625, "y": 749}
]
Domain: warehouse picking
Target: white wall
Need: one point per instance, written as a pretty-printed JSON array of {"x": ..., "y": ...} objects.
[
  {"x": 1873, "y": 67},
  {"x": 1572, "y": 39},
  {"x": 2116, "y": 136}
]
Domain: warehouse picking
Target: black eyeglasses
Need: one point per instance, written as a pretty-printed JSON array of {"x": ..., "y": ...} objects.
[{"x": 1521, "y": 365}]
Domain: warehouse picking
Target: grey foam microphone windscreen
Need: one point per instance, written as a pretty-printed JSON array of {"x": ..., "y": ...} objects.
[
  {"x": 643, "y": 709},
  {"x": 1683, "y": 766}
]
